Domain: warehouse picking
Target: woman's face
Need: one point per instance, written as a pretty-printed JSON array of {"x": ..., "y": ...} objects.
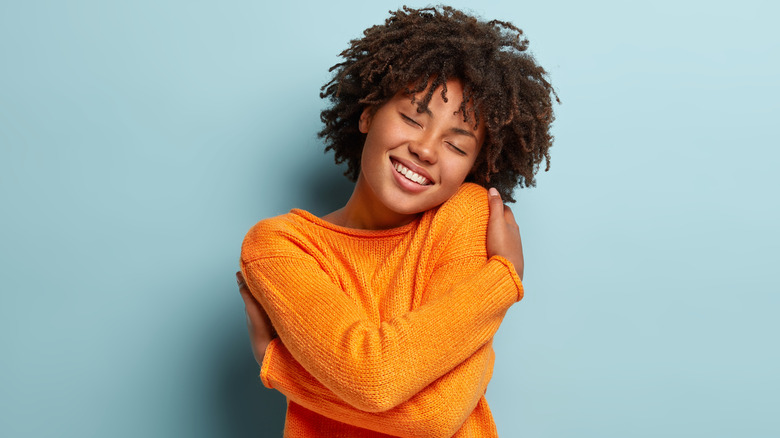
[{"x": 412, "y": 161}]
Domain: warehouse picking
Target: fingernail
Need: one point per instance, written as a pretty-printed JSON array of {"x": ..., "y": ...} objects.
[{"x": 493, "y": 192}]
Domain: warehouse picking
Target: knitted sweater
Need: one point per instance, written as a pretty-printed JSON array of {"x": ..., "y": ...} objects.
[{"x": 382, "y": 332}]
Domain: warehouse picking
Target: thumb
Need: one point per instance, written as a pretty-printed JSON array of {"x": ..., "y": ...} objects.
[
  {"x": 496, "y": 205},
  {"x": 243, "y": 289}
]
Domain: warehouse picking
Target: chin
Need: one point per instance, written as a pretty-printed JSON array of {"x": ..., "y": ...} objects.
[{"x": 416, "y": 206}]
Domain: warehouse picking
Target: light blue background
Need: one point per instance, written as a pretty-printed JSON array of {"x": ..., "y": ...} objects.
[{"x": 140, "y": 141}]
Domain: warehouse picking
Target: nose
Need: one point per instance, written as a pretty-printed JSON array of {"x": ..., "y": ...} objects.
[{"x": 424, "y": 148}]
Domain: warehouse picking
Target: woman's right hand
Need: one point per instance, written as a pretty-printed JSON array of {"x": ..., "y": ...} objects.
[
  {"x": 503, "y": 234},
  {"x": 261, "y": 331}
]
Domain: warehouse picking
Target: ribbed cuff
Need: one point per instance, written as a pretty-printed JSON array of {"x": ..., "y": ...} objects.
[
  {"x": 265, "y": 368},
  {"x": 513, "y": 273}
]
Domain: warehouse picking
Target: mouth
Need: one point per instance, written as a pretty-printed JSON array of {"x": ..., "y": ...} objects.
[{"x": 410, "y": 174}]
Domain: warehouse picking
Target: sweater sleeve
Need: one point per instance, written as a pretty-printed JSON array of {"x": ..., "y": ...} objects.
[
  {"x": 375, "y": 367},
  {"x": 438, "y": 410}
]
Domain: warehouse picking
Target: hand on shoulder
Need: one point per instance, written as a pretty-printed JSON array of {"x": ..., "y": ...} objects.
[{"x": 503, "y": 234}]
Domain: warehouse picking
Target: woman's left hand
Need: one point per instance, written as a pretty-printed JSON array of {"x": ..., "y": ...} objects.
[{"x": 261, "y": 331}]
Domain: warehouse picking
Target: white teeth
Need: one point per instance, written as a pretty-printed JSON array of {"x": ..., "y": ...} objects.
[{"x": 412, "y": 176}]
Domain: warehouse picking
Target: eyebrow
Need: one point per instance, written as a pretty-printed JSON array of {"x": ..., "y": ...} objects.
[
  {"x": 454, "y": 130},
  {"x": 464, "y": 132}
]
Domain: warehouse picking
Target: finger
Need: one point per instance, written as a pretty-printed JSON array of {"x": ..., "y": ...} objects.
[
  {"x": 243, "y": 289},
  {"x": 509, "y": 217},
  {"x": 240, "y": 280},
  {"x": 495, "y": 204},
  {"x": 249, "y": 300},
  {"x": 255, "y": 313}
]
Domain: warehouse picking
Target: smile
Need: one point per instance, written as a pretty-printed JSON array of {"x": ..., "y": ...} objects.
[{"x": 410, "y": 175}]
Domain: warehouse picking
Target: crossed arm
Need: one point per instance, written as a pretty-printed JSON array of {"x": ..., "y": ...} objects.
[
  {"x": 333, "y": 382},
  {"x": 446, "y": 402}
]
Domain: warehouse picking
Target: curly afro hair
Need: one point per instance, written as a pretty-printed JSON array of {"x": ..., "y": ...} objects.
[{"x": 420, "y": 49}]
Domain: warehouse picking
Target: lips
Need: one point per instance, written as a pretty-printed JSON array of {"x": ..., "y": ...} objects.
[{"x": 410, "y": 174}]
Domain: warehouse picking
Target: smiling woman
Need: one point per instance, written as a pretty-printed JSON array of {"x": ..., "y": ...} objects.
[
  {"x": 386, "y": 308},
  {"x": 412, "y": 160},
  {"x": 417, "y": 52}
]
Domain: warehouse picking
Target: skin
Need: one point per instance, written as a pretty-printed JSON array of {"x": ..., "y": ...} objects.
[{"x": 436, "y": 144}]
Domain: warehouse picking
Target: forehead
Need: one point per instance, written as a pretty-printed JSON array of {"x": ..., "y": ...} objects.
[{"x": 452, "y": 93}]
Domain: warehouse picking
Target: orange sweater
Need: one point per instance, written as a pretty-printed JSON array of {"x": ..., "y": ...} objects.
[{"x": 382, "y": 332}]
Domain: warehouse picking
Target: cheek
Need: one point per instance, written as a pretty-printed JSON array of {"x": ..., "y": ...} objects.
[
  {"x": 456, "y": 173},
  {"x": 370, "y": 155}
]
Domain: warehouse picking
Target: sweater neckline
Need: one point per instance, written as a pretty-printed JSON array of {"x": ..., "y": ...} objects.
[{"x": 322, "y": 223}]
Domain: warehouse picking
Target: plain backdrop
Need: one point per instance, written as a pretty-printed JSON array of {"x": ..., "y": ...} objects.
[{"x": 140, "y": 140}]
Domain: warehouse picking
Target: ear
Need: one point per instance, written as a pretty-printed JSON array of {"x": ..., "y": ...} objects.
[{"x": 365, "y": 119}]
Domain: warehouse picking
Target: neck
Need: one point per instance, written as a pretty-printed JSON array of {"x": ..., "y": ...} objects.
[{"x": 363, "y": 211}]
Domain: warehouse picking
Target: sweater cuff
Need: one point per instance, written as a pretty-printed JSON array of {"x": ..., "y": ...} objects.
[
  {"x": 265, "y": 367},
  {"x": 512, "y": 273}
]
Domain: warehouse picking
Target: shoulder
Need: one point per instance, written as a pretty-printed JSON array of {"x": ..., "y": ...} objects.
[
  {"x": 459, "y": 226},
  {"x": 274, "y": 237},
  {"x": 469, "y": 203}
]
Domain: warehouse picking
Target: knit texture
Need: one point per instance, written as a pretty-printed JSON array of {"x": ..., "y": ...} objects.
[{"x": 382, "y": 332}]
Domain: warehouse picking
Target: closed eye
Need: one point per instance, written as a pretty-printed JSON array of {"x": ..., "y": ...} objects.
[
  {"x": 409, "y": 120},
  {"x": 457, "y": 149}
]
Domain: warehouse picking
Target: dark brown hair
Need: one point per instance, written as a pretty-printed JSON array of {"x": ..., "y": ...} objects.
[{"x": 419, "y": 49}]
